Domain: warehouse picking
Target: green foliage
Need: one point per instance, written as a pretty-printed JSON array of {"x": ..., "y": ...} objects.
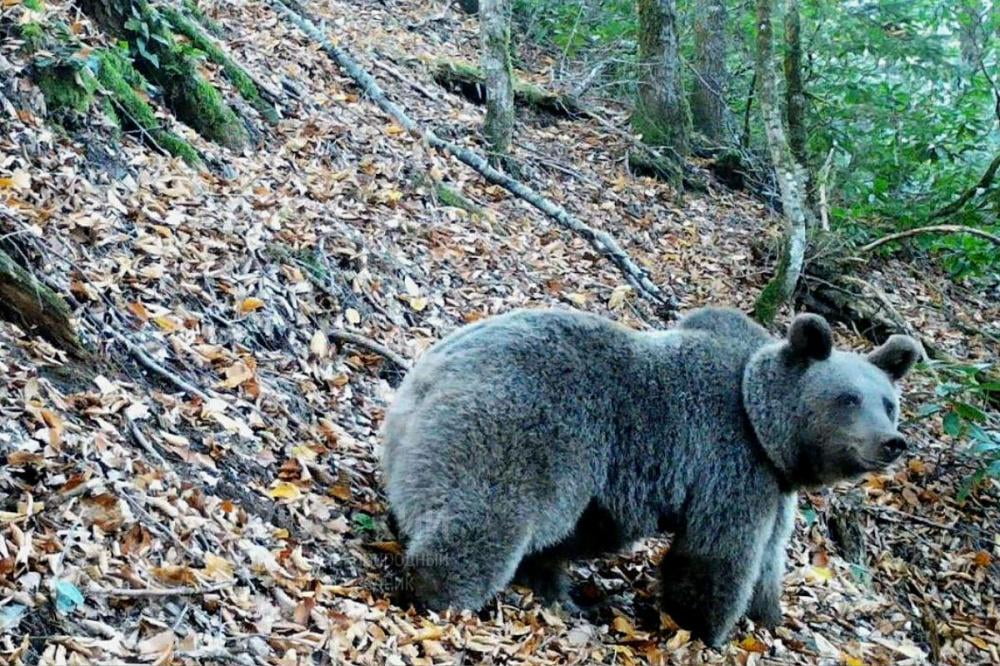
[
  {"x": 363, "y": 522},
  {"x": 66, "y": 84},
  {"x": 898, "y": 90},
  {"x": 910, "y": 120},
  {"x": 174, "y": 67},
  {"x": 117, "y": 76},
  {"x": 962, "y": 400},
  {"x": 33, "y": 34},
  {"x": 196, "y": 12},
  {"x": 34, "y": 5},
  {"x": 578, "y": 25}
]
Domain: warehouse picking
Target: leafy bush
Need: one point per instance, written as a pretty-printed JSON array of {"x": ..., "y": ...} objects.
[{"x": 966, "y": 389}]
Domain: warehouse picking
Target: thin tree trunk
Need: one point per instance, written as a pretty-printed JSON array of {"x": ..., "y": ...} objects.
[
  {"x": 661, "y": 115},
  {"x": 788, "y": 172},
  {"x": 494, "y": 18},
  {"x": 795, "y": 97},
  {"x": 708, "y": 101}
]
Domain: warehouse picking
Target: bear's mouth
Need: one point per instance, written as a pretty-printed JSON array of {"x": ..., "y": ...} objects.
[{"x": 876, "y": 464}]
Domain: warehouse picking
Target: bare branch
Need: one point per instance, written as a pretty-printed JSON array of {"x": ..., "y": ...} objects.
[{"x": 933, "y": 229}]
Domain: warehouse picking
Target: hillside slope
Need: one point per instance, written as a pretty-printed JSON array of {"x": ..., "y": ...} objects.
[{"x": 205, "y": 487}]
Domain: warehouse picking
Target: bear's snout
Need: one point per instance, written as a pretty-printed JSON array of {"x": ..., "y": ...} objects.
[{"x": 893, "y": 447}]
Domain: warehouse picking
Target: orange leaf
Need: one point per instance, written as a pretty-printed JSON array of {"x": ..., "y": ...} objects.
[
  {"x": 175, "y": 574},
  {"x": 251, "y": 304},
  {"x": 751, "y": 644},
  {"x": 139, "y": 310},
  {"x": 983, "y": 559},
  {"x": 55, "y": 425}
]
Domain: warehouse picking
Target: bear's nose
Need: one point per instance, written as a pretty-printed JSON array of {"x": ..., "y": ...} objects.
[{"x": 894, "y": 445}]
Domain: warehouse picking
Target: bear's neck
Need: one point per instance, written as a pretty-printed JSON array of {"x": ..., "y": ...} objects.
[{"x": 773, "y": 428}]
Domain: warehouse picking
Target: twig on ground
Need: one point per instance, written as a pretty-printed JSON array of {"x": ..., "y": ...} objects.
[
  {"x": 896, "y": 515},
  {"x": 408, "y": 80},
  {"x": 155, "y": 526},
  {"x": 150, "y": 364},
  {"x": 129, "y": 592},
  {"x": 361, "y": 340},
  {"x": 143, "y": 441},
  {"x": 216, "y": 654}
]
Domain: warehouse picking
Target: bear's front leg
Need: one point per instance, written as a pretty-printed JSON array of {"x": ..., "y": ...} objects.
[
  {"x": 709, "y": 573},
  {"x": 765, "y": 606}
]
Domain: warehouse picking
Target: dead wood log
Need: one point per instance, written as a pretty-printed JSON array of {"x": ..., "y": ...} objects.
[
  {"x": 470, "y": 82},
  {"x": 603, "y": 242},
  {"x": 30, "y": 304}
]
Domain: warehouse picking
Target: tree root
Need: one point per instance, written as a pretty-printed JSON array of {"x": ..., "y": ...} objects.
[{"x": 603, "y": 242}]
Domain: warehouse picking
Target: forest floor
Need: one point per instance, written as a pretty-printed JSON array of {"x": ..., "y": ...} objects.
[{"x": 241, "y": 519}]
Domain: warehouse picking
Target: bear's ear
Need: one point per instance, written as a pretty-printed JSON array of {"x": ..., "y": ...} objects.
[
  {"x": 896, "y": 356},
  {"x": 810, "y": 337}
]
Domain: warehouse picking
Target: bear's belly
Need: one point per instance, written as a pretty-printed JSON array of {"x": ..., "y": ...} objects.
[{"x": 595, "y": 533}]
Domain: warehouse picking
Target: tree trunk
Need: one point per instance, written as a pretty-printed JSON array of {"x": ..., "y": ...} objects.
[
  {"x": 494, "y": 18},
  {"x": 36, "y": 308},
  {"x": 795, "y": 97},
  {"x": 787, "y": 171},
  {"x": 708, "y": 101},
  {"x": 661, "y": 115}
]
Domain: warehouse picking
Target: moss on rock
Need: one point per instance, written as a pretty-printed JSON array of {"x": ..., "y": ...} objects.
[
  {"x": 66, "y": 88},
  {"x": 449, "y": 196}
]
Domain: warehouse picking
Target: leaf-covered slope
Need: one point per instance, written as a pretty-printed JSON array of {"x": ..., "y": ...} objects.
[{"x": 223, "y": 446}]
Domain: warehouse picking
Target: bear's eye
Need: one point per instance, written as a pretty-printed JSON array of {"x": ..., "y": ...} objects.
[
  {"x": 890, "y": 408},
  {"x": 848, "y": 399}
]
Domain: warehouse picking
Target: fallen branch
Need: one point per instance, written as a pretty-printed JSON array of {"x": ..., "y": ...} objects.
[
  {"x": 130, "y": 592},
  {"x": 600, "y": 240},
  {"x": 982, "y": 184},
  {"x": 469, "y": 81},
  {"x": 150, "y": 364},
  {"x": 361, "y": 340},
  {"x": 933, "y": 229}
]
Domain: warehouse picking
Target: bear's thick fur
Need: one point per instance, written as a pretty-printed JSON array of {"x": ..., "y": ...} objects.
[{"x": 539, "y": 436}]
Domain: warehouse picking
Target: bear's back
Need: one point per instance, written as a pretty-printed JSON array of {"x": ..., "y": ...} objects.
[{"x": 519, "y": 401}]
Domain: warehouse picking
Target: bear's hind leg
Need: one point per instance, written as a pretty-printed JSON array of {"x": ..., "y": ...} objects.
[{"x": 462, "y": 563}]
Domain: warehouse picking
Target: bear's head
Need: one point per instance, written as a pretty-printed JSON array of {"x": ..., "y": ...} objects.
[{"x": 823, "y": 415}]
